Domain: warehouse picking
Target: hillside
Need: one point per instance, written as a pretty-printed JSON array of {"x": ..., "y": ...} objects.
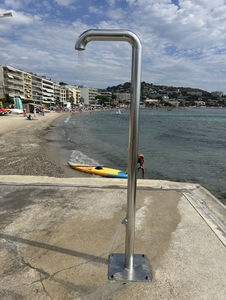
[{"x": 184, "y": 95}]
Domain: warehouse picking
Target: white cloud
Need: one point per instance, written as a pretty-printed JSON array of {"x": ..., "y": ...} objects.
[
  {"x": 22, "y": 19},
  {"x": 182, "y": 45},
  {"x": 111, "y": 2},
  {"x": 95, "y": 10},
  {"x": 130, "y": 2},
  {"x": 18, "y": 19},
  {"x": 13, "y": 4},
  {"x": 65, "y": 2},
  {"x": 116, "y": 13}
]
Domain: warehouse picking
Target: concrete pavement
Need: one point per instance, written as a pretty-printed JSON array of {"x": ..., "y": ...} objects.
[{"x": 56, "y": 235}]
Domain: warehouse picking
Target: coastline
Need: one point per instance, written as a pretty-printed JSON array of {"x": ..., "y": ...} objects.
[
  {"x": 56, "y": 155},
  {"x": 23, "y": 146},
  {"x": 35, "y": 148},
  {"x": 56, "y": 152},
  {"x": 69, "y": 140}
]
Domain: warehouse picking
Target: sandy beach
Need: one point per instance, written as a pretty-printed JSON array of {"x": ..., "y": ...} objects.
[{"x": 23, "y": 149}]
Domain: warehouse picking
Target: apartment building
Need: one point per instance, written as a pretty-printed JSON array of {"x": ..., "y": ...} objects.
[
  {"x": 36, "y": 88},
  {"x": 39, "y": 89},
  {"x": 27, "y": 86},
  {"x": 1, "y": 83},
  {"x": 12, "y": 82},
  {"x": 63, "y": 95},
  {"x": 47, "y": 90},
  {"x": 73, "y": 93},
  {"x": 77, "y": 94},
  {"x": 106, "y": 94},
  {"x": 88, "y": 95},
  {"x": 56, "y": 88},
  {"x": 123, "y": 97},
  {"x": 69, "y": 93},
  {"x": 27, "y": 82}
]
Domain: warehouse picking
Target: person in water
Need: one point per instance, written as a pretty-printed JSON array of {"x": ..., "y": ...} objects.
[{"x": 140, "y": 160}]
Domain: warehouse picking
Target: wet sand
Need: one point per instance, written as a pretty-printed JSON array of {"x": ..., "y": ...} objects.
[{"x": 56, "y": 152}]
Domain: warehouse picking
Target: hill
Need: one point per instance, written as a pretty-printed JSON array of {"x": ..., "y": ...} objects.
[{"x": 185, "y": 96}]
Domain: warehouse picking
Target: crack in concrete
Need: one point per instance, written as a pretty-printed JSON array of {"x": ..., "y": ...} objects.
[
  {"x": 85, "y": 262},
  {"x": 12, "y": 247},
  {"x": 44, "y": 289},
  {"x": 69, "y": 286}
]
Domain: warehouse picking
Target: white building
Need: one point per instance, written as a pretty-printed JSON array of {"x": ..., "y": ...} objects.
[
  {"x": 88, "y": 95},
  {"x": 73, "y": 93},
  {"x": 27, "y": 86},
  {"x": 151, "y": 101},
  {"x": 12, "y": 82},
  {"x": 69, "y": 93},
  {"x": 106, "y": 94},
  {"x": 56, "y": 88},
  {"x": 63, "y": 95},
  {"x": 37, "y": 91},
  {"x": 48, "y": 90},
  {"x": 123, "y": 97}
]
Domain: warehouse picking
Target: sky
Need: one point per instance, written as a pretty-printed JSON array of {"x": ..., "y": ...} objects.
[{"x": 183, "y": 41}]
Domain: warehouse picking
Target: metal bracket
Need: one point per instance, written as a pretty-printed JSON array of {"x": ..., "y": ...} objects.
[{"x": 117, "y": 271}]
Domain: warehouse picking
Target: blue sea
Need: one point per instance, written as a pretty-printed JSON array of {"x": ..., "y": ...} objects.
[{"x": 186, "y": 145}]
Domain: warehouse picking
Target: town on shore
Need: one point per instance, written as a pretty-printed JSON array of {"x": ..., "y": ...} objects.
[{"x": 36, "y": 89}]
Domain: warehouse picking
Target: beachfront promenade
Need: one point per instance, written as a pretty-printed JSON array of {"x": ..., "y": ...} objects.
[{"x": 56, "y": 234}]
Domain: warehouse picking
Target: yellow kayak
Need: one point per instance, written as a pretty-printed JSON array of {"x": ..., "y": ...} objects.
[{"x": 98, "y": 170}]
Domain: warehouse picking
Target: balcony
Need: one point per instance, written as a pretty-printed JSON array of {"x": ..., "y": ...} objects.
[
  {"x": 14, "y": 85},
  {"x": 48, "y": 88},
  {"x": 15, "y": 93},
  {"x": 36, "y": 82},
  {"x": 36, "y": 88},
  {"x": 14, "y": 88},
  {"x": 20, "y": 75},
  {"x": 9, "y": 81},
  {"x": 34, "y": 93}
]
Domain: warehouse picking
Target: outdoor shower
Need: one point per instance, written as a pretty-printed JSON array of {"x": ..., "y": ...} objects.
[{"x": 128, "y": 266}]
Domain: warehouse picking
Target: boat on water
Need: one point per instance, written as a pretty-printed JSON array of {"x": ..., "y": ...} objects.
[
  {"x": 118, "y": 112},
  {"x": 98, "y": 170}
]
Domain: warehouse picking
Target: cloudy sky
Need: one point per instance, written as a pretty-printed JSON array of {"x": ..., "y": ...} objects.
[{"x": 184, "y": 41}]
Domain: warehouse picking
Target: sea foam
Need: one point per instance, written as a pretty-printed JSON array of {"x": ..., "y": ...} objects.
[{"x": 81, "y": 158}]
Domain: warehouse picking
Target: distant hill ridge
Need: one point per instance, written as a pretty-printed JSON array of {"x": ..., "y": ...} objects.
[
  {"x": 184, "y": 96},
  {"x": 125, "y": 87}
]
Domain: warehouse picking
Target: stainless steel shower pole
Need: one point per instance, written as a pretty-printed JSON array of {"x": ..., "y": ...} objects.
[
  {"x": 129, "y": 266},
  {"x": 132, "y": 154}
]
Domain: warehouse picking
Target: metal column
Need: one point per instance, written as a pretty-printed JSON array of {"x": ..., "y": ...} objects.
[{"x": 128, "y": 266}]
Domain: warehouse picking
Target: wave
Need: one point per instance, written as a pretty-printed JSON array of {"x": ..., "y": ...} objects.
[
  {"x": 68, "y": 119},
  {"x": 80, "y": 158}
]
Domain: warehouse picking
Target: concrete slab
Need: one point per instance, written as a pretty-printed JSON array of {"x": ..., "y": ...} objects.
[{"x": 56, "y": 235}]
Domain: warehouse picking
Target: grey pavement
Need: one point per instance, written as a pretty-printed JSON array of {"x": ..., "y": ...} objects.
[{"x": 56, "y": 235}]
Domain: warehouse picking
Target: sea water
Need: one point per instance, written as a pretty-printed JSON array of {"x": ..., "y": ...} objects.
[{"x": 187, "y": 145}]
